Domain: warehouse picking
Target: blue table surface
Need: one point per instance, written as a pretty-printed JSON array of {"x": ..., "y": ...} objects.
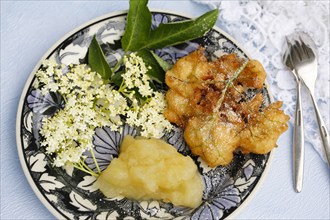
[{"x": 30, "y": 28}]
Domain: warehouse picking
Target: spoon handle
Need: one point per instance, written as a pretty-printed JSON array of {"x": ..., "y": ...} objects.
[
  {"x": 298, "y": 144},
  {"x": 323, "y": 131}
]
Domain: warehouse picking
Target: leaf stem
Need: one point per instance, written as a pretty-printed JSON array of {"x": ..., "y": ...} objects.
[
  {"x": 122, "y": 87},
  {"x": 229, "y": 82},
  {"x": 95, "y": 161},
  {"x": 118, "y": 64},
  {"x": 63, "y": 96},
  {"x": 84, "y": 170},
  {"x": 84, "y": 165}
]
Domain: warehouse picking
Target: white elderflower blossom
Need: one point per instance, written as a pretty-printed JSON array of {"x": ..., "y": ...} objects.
[
  {"x": 155, "y": 123},
  {"x": 90, "y": 103},
  {"x": 149, "y": 116},
  {"x": 135, "y": 75}
]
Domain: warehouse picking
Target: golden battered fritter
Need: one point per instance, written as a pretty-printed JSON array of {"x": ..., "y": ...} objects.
[
  {"x": 263, "y": 129},
  {"x": 207, "y": 99},
  {"x": 214, "y": 141}
]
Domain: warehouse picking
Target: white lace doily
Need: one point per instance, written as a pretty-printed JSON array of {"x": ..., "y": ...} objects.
[{"x": 260, "y": 27}]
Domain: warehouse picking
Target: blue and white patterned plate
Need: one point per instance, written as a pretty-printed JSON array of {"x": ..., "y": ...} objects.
[{"x": 70, "y": 194}]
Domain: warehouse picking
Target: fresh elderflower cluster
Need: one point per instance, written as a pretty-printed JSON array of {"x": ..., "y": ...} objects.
[
  {"x": 148, "y": 116},
  {"x": 135, "y": 75},
  {"x": 91, "y": 103}
]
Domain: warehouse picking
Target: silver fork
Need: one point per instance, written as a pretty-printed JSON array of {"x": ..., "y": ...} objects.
[
  {"x": 298, "y": 129},
  {"x": 304, "y": 61}
]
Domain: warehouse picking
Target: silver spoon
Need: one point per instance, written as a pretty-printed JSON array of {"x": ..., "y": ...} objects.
[{"x": 304, "y": 61}]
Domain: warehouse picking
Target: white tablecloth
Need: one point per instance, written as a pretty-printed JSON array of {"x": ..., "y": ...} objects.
[{"x": 29, "y": 28}]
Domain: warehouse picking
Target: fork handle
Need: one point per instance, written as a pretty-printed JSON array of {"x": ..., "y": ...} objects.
[
  {"x": 298, "y": 144},
  {"x": 323, "y": 131}
]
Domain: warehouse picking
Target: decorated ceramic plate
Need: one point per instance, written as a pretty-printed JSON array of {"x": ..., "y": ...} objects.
[{"x": 71, "y": 194}]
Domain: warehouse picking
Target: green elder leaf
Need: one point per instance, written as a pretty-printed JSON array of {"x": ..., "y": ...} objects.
[
  {"x": 138, "y": 25},
  {"x": 117, "y": 78},
  {"x": 156, "y": 72},
  {"x": 162, "y": 63},
  {"x": 97, "y": 61},
  {"x": 178, "y": 32}
]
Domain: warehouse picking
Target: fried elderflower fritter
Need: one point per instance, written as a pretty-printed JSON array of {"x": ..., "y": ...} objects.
[{"x": 208, "y": 100}]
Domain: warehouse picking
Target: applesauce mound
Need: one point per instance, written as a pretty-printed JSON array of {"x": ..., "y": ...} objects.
[{"x": 152, "y": 169}]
